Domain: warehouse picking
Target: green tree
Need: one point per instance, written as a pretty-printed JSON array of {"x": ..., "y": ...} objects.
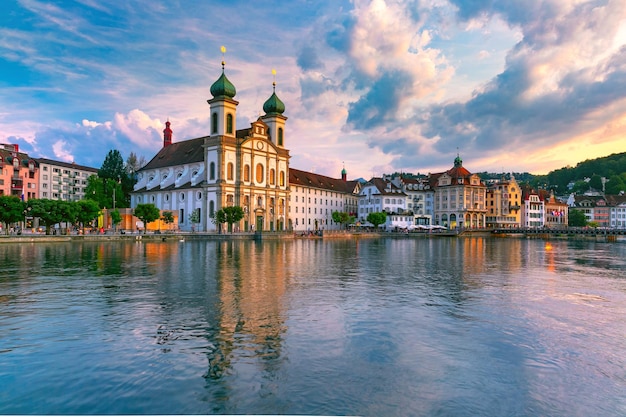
[
  {"x": 113, "y": 166},
  {"x": 147, "y": 213},
  {"x": 51, "y": 212},
  {"x": 116, "y": 218},
  {"x": 343, "y": 218},
  {"x": 377, "y": 218},
  {"x": 86, "y": 212},
  {"x": 11, "y": 210},
  {"x": 229, "y": 215},
  {"x": 615, "y": 185},
  {"x": 580, "y": 187},
  {"x": 595, "y": 182},
  {"x": 219, "y": 218},
  {"x": 194, "y": 218},
  {"x": 576, "y": 218},
  {"x": 167, "y": 217}
]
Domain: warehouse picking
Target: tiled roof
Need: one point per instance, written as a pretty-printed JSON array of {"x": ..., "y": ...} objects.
[
  {"x": 309, "y": 179},
  {"x": 71, "y": 165},
  {"x": 386, "y": 188},
  {"x": 178, "y": 153}
]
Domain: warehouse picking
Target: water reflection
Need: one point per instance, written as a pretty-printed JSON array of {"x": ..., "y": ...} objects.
[{"x": 369, "y": 327}]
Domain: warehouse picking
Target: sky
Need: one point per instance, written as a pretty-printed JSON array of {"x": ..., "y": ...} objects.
[{"x": 374, "y": 86}]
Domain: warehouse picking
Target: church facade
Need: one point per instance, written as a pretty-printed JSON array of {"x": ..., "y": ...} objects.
[{"x": 247, "y": 167}]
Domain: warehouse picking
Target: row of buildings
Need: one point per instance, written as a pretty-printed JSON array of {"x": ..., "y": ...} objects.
[
  {"x": 26, "y": 177},
  {"x": 249, "y": 167}
]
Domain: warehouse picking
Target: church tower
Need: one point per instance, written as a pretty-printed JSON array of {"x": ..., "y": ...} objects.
[
  {"x": 167, "y": 134},
  {"x": 223, "y": 106},
  {"x": 274, "y": 109}
]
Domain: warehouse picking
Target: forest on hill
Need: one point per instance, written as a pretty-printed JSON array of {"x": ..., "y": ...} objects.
[{"x": 584, "y": 176}]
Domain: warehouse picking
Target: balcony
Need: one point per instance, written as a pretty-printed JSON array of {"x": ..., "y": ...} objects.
[{"x": 17, "y": 184}]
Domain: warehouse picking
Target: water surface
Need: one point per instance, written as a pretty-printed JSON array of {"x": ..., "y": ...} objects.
[{"x": 443, "y": 326}]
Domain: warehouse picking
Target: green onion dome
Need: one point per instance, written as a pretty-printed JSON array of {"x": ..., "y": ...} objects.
[
  {"x": 274, "y": 105},
  {"x": 223, "y": 87}
]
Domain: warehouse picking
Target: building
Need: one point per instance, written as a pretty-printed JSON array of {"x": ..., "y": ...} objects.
[
  {"x": 503, "y": 200},
  {"x": 19, "y": 173},
  {"x": 378, "y": 195},
  {"x": 62, "y": 180},
  {"x": 313, "y": 199},
  {"x": 459, "y": 198},
  {"x": 229, "y": 167},
  {"x": 617, "y": 214},
  {"x": 556, "y": 211},
  {"x": 420, "y": 197},
  {"x": 533, "y": 210},
  {"x": 595, "y": 208}
]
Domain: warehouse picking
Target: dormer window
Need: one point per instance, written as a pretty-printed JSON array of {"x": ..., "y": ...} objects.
[{"x": 460, "y": 180}]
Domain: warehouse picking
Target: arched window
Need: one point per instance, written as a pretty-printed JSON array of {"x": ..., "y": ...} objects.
[
  {"x": 246, "y": 173},
  {"x": 212, "y": 171},
  {"x": 229, "y": 171},
  {"x": 282, "y": 178},
  {"x": 280, "y": 136},
  {"x": 229, "y": 123},
  {"x": 272, "y": 176},
  {"x": 214, "y": 123},
  {"x": 230, "y": 200},
  {"x": 211, "y": 208},
  {"x": 260, "y": 174}
]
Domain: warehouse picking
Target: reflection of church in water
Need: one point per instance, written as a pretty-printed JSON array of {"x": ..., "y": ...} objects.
[{"x": 247, "y": 168}]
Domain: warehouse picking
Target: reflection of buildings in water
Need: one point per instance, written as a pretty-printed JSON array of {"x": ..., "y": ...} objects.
[{"x": 251, "y": 282}]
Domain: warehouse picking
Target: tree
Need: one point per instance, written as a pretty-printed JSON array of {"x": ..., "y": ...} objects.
[
  {"x": 134, "y": 164},
  {"x": 51, "y": 212},
  {"x": 595, "y": 182},
  {"x": 106, "y": 192},
  {"x": 219, "y": 218},
  {"x": 113, "y": 166},
  {"x": 147, "y": 213},
  {"x": 194, "y": 218},
  {"x": 230, "y": 215},
  {"x": 377, "y": 218},
  {"x": 615, "y": 185},
  {"x": 11, "y": 210},
  {"x": 116, "y": 218},
  {"x": 167, "y": 217},
  {"x": 342, "y": 217},
  {"x": 576, "y": 218},
  {"x": 580, "y": 187},
  {"x": 86, "y": 211}
]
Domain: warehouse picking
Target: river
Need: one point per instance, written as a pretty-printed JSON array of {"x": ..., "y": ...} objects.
[{"x": 371, "y": 327}]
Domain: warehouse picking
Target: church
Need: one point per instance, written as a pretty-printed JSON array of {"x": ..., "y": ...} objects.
[{"x": 247, "y": 167}]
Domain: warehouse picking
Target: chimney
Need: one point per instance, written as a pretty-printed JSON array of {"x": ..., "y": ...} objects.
[{"x": 167, "y": 135}]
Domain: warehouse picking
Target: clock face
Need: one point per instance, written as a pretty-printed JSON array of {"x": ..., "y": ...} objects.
[{"x": 259, "y": 145}]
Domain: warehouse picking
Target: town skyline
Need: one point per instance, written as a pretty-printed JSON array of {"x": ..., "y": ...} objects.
[{"x": 377, "y": 87}]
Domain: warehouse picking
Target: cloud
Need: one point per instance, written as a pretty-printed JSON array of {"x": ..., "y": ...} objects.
[
  {"x": 308, "y": 59},
  {"x": 61, "y": 152},
  {"x": 137, "y": 126}
]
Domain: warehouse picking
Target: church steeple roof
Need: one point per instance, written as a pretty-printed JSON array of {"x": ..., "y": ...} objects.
[
  {"x": 223, "y": 87},
  {"x": 274, "y": 105}
]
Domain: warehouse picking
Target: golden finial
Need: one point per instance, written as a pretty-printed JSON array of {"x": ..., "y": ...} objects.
[
  {"x": 274, "y": 74},
  {"x": 223, "y": 49}
]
